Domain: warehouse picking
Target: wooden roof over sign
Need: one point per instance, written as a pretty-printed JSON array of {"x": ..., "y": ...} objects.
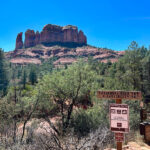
[{"x": 128, "y": 95}]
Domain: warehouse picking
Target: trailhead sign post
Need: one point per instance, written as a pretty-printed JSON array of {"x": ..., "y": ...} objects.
[{"x": 119, "y": 113}]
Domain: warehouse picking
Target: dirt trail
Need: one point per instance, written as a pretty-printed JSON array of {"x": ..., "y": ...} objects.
[{"x": 133, "y": 146}]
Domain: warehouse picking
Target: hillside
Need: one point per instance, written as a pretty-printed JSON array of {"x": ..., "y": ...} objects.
[{"x": 65, "y": 55}]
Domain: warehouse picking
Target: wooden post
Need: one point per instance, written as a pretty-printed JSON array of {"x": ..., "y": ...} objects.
[
  {"x": 119, "y": 144},
  {"x": 118, "y": 101}
]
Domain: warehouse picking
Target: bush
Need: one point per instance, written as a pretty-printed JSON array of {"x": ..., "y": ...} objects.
[{"x": 85, "y": 121}]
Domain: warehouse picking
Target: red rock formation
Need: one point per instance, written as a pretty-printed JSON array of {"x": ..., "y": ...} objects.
[
  {"x": 70, "y": 34},
  {"x": 67, "y": 34},
  {"x": 37, "y": 38},
  {"x": 82, "y": 38},
  {"x": 19, "y": 42},
  {"x": 29, "y": 38},
  {"x": 52, "y": 34}
]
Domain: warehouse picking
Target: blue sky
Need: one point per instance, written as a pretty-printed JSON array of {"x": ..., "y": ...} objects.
[{"x": 106, "y": 23}]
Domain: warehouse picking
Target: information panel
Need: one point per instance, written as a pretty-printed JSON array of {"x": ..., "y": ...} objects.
[{"x": 119, "y": 118}]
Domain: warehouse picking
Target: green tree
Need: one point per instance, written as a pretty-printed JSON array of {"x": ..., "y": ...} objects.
[
  {"x": 3, "y": 74},
  {"x": 64, "y": 89},
  {"x": 131, "y": 72},
  {"x": 33, "y": 76},
  {"x": 24, "y": 79},
  {"x": 146, "y": 75},
  {"x": 127, "y": 73}
]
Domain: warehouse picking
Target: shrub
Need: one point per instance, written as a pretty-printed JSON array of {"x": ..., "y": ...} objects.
[{"x": 85, "y": 121}]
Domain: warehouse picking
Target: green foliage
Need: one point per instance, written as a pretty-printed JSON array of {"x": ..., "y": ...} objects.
[
  {"x": 65, "y": 83},
  {"x": 127, "y": 73},
  {"x": 62, "y": 90},
  {"x": 3, "y": 74},
  {"x": 24, "y": 79},
  {"x": 33, "y": 76},
  {"x": 134, "y": 114},
  {"x": 66, "y": 88},
  {"x": 85, "y": 121}
]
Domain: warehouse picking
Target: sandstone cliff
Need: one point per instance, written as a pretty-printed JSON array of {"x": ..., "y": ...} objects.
[
  {"x": 29, "y": 39},
  {"x": 19, "y": 42},
  {"x": 52, "y": 35},
  {"x": 66, "y": 43}
]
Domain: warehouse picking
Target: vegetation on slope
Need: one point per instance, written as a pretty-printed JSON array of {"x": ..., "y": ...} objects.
[{"x": 68, "y": 94}]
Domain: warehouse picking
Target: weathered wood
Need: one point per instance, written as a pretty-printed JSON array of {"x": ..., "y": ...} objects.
[
  {"x": 128, "y": 95},
  {"x": 119, "y": 145},
  {"x": 143, "y": 114},
  {"x": 118, "y": 101}
]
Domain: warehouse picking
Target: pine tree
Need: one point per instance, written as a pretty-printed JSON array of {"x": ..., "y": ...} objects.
[
  {"x": 3, "y": 74},
  {"x": 24, "y": 79},
  {"x": 33, "y": 76},
  {"x": 146, "y": 75}
]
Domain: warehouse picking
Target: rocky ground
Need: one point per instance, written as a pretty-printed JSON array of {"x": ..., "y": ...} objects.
[
  {"x": 64, "y": 55},
  {"x": 133, "y": 146}
]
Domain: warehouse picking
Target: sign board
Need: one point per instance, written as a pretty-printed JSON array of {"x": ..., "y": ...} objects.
[
  {"x": 119, "y": 137},
  {"x": 133, "y": 95},
  {"x": 119, "y": 118}
]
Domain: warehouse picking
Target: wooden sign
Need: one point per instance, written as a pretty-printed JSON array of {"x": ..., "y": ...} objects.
[
  {"x": 119, "y": 114},
  {"x": 119, "y": 118},
  {"x": 128, "y": 95},
  {"x": 119, "y": 137}
]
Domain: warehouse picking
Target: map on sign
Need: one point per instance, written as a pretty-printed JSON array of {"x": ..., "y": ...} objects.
[
  {"x": 119, "y": 118},
  {"x": 134, "y": 95}
]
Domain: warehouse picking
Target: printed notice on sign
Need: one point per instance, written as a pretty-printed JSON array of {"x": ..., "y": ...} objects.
[
  {"x": 119, "y": 137},
  {"x": 119, "y": 118}
]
